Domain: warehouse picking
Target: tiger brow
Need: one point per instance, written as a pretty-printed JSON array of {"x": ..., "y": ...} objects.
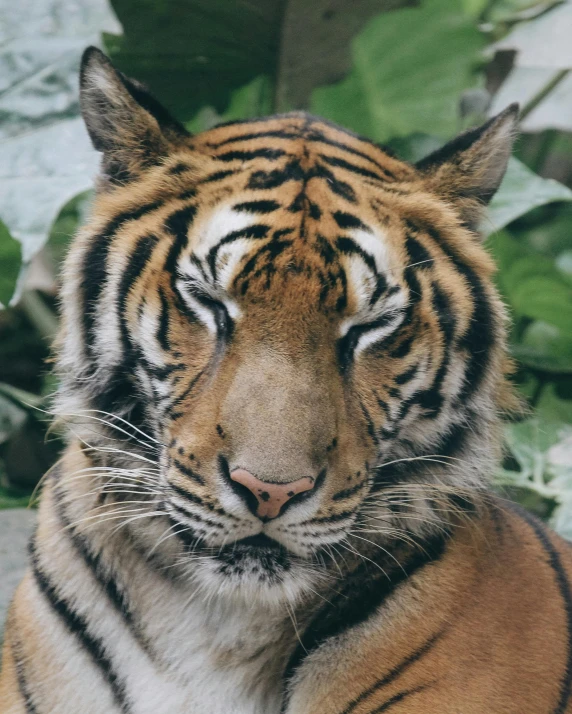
[
  {"x": 322, "y": 139},
  {"x": 278, "y": 134}
]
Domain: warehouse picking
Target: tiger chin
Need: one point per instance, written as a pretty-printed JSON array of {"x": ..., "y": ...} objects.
[{"x": 282, "y": 370}]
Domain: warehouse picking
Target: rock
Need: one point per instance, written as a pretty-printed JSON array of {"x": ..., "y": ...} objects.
[{"x": 16, "y": 527}]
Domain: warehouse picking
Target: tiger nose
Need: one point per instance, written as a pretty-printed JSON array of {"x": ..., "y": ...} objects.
[{"x": 271, "y": 497}]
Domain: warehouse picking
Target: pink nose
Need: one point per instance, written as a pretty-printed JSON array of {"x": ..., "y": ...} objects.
[{"x": 271, "y": 497}]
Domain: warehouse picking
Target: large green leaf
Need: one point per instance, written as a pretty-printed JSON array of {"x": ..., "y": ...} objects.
[
  {"x": 545, "y": 347},
  {"x": 520, "y": 192},
  {"x": 409, "y": 69},
  {"x": 531, "y": 283},
  {"x": 45, "y": 154},
  {"x": 193, "y": 53}
]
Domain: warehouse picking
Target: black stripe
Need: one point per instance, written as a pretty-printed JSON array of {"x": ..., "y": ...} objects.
[
  {"x": 189, "y": 537},
  {"x": 418, "y": 254},
  {"x": 268, "y": 252},
  {"x": 348, "y": 220},
  {"x": 348, "y": 246},
  {"x": 23, "y": 687},
  {"x": 193, "y": 475},
  {"x": 272, "y": 179},
  {"x": 177, "y": 225},
  {"x": 94, "y": 271},
  {"x": 347, "y": 344},
  {"x": 257, "y": 206},
  {"x": 348, "y": 492},
  {"x": 193, "y": 498},
  {"x": 279, "y": 134},
  {"x": 270, "y": 154},
  {"x": 363, "y": 593},
  {"x": 380, "y": 289},
  {"x": 404, "y": 347},
  {"x": 135, "y": 266},
  {"x": 406, "y": 376},
  {"x": 186, "y": 393},
  {"x": 102, "y": 574},
  {"x": 394, "y": 673},
  {"x": 565, "y": 592},
  {"x": 370, "y": 425},
  {"x": 344, "y": 515},
  {"x": 398, "y": 698},
  {"x": 320, "y": 138},
  {"x": 163, "y": 327},
  {"x": 254, "y": 232},
  {"x": 431, "y": 398},
  {"x": 179, "y": 168},
  {"x": 340, "y": 188},
  {"x": 79, "y": 628},
  {"x": 196, "y": 517},
  {"x": 343, "y": 164},
  {"x": 218, "y": 176},
  {"x": 480, "y": 335}
]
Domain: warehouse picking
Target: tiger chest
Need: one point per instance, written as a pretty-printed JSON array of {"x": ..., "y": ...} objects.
[{"x": 225, "y": 660}]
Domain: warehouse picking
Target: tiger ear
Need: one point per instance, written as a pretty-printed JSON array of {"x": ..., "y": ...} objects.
[
  {"x": 131, "y": 128},
  {"x": 468, "y": 170}
]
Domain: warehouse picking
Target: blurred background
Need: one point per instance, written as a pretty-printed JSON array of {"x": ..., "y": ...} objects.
[{"x": 408, "y": 74}]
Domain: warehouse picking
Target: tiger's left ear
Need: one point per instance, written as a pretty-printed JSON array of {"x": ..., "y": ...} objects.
[
  {"x": 468, "y": 170},
  {"x": 129, "y": 126}
]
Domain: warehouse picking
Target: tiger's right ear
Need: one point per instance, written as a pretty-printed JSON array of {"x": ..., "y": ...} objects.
[{"x": 131, "y": 128}]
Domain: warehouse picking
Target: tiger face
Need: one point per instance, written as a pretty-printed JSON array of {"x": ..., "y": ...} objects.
[{"x": 296, "y": 329}]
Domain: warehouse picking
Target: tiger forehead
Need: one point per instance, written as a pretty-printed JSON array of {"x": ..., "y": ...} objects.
[
  {"x": 300, "y": 135},
  {"x": 286, "y": 202}
]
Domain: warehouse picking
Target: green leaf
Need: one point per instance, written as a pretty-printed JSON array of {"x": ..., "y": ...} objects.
[
  {"x": 45, "y": 154},
  {"x": 521, "y": 191},
  {"x": 545, "y": 348},
  {"x": 252, "y": 100},
  {"x": 552, "y": 408},
  {"x": 408, "y": 72},
  {"x": 10, "y": 258},
  {"x": 564, "y": 263},
  {"x": 196, "y": 53},
  {"x": 531, "y": 283},
  {"x": 541, "y": 297},
  {"x": 546, "y": 230}
]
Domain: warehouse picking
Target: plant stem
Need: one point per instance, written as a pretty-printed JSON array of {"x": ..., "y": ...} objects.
[
  {"x": 39, "y": 314},
  {"x": 545, "y": 91}
]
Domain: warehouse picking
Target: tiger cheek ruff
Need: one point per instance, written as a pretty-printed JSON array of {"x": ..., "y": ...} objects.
[{"x": 282, "y": 366}]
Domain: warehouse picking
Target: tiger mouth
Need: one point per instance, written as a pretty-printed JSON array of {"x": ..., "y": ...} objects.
[{"x": 258, "y": 552}]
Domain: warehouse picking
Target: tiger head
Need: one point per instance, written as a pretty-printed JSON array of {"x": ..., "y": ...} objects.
[{"x": 296, "y": 331}]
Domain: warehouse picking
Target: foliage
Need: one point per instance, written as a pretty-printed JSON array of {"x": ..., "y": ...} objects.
[
  {"x": 409, "y": 69},
  {"x": 410, "y": 75}
]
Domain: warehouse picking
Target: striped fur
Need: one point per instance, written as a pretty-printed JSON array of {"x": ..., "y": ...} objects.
[{"x": 282, "y": 296}]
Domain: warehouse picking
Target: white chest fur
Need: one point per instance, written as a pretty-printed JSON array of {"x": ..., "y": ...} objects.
[
  {"x": 233, "y": 660},
  {"x": 170, "y": 648}
]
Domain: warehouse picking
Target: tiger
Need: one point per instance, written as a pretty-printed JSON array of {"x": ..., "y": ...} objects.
[{"x": 283, "y": 373}]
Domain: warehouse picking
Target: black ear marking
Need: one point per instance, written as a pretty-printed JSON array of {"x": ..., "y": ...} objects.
[
  {"x": 472, "y": 165},
  {"x": 129, "y": 126}
]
